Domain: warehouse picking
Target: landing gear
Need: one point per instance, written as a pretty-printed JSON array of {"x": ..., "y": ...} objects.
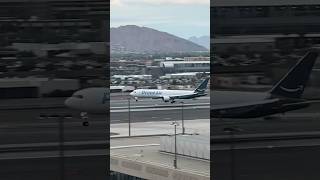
[
  {"x": 136, "y": 99},
  {"x": 173, "y": 101},
  {"x": 84, "y": 117},
  {"x": 85, "y": 123}
]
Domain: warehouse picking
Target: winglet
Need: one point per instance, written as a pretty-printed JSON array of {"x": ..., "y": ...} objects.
[{"x": 293, "y": 83}]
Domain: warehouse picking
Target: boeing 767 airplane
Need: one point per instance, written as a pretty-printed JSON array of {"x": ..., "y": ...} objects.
[
  {"x": 286, "y": 95},
  {"x": 171, "y": 95}
]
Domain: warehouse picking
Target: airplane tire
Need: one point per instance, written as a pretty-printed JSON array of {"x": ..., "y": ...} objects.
[{"x": 85, "y": 123}]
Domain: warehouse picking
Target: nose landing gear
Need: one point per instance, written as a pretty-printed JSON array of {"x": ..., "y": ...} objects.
[{"x": 84, "y": 117}]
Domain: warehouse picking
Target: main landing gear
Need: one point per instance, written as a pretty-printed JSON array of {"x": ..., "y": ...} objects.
[{"x": 84, "y": 117}]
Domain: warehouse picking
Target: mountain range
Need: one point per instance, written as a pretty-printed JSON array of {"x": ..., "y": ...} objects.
[
  {"x": 202, "y": 40},
  {"x": 136, "y": 39}
]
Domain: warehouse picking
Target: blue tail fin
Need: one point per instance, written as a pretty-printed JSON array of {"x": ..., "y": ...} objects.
[
  {"x": 203, "y": 86},
  {"x": 293, "y": 83}
]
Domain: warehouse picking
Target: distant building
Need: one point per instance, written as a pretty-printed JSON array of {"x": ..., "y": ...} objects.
[
  {"x": 244, "y": 44},
  {"x": 185, "y": 66},
  {"x": 187, "y": 75},
  {"x": 196, "y": 58},
  {"x": 53, "y": 21},
  {"x": 36, "y": 87},
  {"x": 124, "y": 77},
  {"x": 114, "y": 89},
  {"x": 44, "y": 50},
  {"x": 265, "y": 16}
]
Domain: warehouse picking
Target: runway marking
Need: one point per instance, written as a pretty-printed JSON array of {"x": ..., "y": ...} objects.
[
  {"x": 158, "y": 109},
  {"x": 159, "y": 106}
]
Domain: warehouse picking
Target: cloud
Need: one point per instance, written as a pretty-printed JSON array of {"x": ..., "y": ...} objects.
[{"x": 160, "y": 2}]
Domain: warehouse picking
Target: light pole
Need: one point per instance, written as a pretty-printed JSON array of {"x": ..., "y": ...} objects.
[
  {"x": 175, "y": 124},
  {"x": 129, "y": 117},
  {"x": 182, "y": 118},
  {"x": 231, "y": 131},
  {"x": 61, "y": 118}
]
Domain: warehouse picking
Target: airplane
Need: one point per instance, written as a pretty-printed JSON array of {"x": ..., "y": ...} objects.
[
  {"x": 171, "y": 95},
  {"x": 94, "y": 100},
  {"x": 285, "y": 95}
]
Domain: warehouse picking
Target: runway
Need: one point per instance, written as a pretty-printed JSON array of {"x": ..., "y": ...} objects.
[
  {"x": 255, "y": 160},
  {"x": 78, "y": 167},
  {"x": 285, "y": 147},
  {"x": 29, "y": 144},
  {"x": 288, "y": 163}
]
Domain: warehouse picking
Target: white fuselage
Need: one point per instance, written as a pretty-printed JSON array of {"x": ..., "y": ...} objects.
[{"x": 157, "y": 93}]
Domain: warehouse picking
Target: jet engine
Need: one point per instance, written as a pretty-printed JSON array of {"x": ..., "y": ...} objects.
[{"x": 166, "y": 98}]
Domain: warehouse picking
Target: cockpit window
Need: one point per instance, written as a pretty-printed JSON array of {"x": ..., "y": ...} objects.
[{"x": 78, "y": 96}]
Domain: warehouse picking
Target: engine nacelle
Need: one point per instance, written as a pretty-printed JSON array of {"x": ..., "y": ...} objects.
[{"x": 166, "y": 98}]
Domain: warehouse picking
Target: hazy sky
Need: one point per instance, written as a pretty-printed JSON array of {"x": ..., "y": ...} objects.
[{"x": 184, "y": 18}]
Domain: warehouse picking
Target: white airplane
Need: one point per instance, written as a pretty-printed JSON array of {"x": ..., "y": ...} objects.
[{"x": 171, "y": 95}]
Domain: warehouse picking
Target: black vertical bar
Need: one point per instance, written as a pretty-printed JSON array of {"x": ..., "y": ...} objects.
[
  {"x": 129, "y": 117},
  {"x": 61, "y": 147}
]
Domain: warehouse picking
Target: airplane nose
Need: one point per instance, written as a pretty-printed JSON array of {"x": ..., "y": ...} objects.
[{"x": 67, "y": 102}]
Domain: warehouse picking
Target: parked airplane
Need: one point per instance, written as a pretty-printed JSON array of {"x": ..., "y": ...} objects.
[
  {"x": 286, "y": 95},
  {"x": 171, "y": 95}
]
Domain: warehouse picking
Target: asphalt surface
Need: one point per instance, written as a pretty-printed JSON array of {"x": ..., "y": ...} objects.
[
  {"x": 288, "y": 163},
  {"x": 295, "y": 121},
  {"x": 30, "y": 141},
  {"x": 31, "y": 148},
  {"x": 75, "y": 168},
  {"x": 284, "y": 147},
  {"x": 24, "y": 128}
]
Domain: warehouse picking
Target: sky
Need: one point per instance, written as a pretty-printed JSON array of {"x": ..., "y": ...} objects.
[{"x": 183, "y": 18}]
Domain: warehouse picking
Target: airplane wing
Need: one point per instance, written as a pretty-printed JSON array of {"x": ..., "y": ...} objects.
[
  {"x": 243, "y": 105},
  {"x": 183, "y": 96},
  {"x": 306, "y": 102}
]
